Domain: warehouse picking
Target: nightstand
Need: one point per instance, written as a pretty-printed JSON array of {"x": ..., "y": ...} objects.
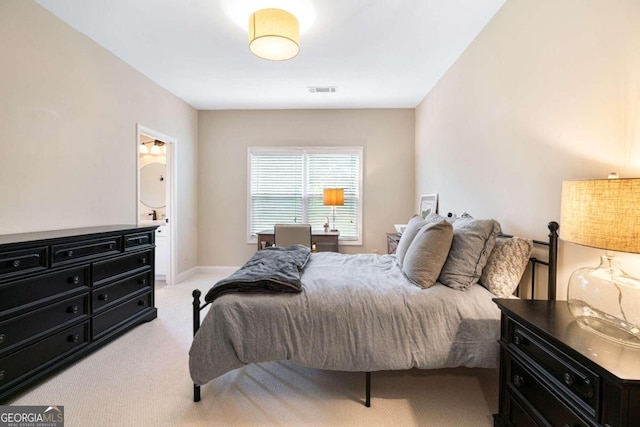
[
  {"x": 552, "y": 372},
  {"x": 392, "y": 242}
]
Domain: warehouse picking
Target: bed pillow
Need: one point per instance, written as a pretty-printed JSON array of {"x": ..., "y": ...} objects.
[
  {"x": 413, "y": 226},
  {"x": 473, "y": 241},
  {"x": 506, "y": 265},
  {"x": 427, "y": 253}
]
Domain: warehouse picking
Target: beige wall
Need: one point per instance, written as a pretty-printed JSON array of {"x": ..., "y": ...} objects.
[
  {"x": 386, "y": 135},
  {"x": 549, "y": 91},
  {"x": 68, "y": 115}
]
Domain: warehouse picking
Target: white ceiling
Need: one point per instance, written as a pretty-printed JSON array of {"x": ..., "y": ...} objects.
[{"x": 378, "y": 53}]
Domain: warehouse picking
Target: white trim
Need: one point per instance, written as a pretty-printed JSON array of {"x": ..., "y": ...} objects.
[
  {"x": 221, "y": 270},
  {"x": 172, "y": 178},
  {"x": 217, "y": 270},
  {"x": 186, "y": 275}
]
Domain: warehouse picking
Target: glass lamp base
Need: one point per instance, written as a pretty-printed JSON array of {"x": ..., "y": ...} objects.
[{"x": 606, "y": 301}]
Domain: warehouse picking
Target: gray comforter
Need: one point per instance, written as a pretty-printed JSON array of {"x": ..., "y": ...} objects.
[{"x": 355, "y": 313}]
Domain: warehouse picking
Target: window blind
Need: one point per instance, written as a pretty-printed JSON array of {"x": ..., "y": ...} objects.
[{"x": 286, "y": 186}]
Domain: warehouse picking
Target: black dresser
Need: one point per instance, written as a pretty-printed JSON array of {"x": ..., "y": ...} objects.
[
  {"x": 65, "y": 293},
  {"x": 554, "y": 373}
]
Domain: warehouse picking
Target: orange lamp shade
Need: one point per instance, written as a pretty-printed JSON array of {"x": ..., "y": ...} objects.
[{"x": 333, "y": 196}]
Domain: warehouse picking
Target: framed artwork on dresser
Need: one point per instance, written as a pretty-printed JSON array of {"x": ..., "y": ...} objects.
[{"x": 428, "y": 204}]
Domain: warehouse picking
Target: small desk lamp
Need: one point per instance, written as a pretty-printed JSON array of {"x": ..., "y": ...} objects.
[
  {"x": 333, "y": 197},
  {"x": 604, "y": 213}
]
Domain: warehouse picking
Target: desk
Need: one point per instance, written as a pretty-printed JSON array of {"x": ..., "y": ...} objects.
[{"x": 325, "y": 242}]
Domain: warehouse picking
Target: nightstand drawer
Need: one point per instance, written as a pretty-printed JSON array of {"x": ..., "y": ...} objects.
[
  {"x": 516, "y": 414},
  {"x": 535, "y": 394},
  {"x": 578, "y": 382}
]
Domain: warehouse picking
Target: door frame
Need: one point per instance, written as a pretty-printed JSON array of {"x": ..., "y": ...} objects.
[{"x": 172, "y": 178}]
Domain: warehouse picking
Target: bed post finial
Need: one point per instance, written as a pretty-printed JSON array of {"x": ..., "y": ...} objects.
[
  {"x": 553, "y": 259},
  {"x": 196, "y": 310}
]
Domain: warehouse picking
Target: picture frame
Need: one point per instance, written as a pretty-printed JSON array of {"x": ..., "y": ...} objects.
[{"x": 428, "y": 204}]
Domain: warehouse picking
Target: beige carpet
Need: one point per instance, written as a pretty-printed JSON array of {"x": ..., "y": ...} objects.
[{"x": 142, "y": 379}]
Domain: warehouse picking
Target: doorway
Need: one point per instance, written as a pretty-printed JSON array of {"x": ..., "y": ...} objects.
[{"x": 156, "y": 195}]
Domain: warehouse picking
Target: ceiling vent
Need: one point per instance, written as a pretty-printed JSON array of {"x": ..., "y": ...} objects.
[{"x": 322, "y": 89}]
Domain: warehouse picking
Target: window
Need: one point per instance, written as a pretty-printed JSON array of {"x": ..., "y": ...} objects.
[{"x": 286, "y": 186}]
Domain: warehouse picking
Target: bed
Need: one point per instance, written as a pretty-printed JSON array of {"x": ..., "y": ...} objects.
[{"x": 360, "y": 313}]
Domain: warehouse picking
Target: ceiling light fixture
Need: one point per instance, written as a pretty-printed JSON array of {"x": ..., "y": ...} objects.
[{"x": 274, "y": 34}]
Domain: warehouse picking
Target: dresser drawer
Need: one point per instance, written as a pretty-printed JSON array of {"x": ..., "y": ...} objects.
[
  {"x": 22, "y": 294},
  {"x": 135, "y": 241},
  {"x": 106, "y": 270},
  {"x": 113, "y": 293},
  {"x": 20, "y": 329},
  {"x": 533, "y": 392},
  {"x": 23, "y": 261},
  {"x": 112, "y": 318},
  {"x": 85, "y": 249},
  {"x": 576, "y": 380},
  {"x": 38, "y": 356}
]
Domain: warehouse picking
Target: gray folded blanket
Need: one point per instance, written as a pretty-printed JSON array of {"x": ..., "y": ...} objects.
[{"x": 271, "y": 270}]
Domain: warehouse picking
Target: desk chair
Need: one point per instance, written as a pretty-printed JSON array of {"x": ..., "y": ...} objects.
[{"x": 292, "y": 234}]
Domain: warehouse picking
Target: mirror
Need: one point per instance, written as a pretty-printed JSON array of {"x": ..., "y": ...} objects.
[{"x": 152, "y": 185}]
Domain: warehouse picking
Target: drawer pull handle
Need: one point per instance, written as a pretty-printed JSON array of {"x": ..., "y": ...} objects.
[
  {"x": 69, "y": 253},
  {"x": 518, "y": 381},
  {"x": 103, "y": 297},
  {"x": 2, "y": 337},
  {"x": 16, "y": 263},
  {"x": 74, "y": 280},
  {"x": 143, "y": 260},
  {"x": 568, "y": 379},
  {"x": 141, "y": 303},
  {"x": 142, "y": 281},
  {"x": 74, "y": 338},
  {"x": 73, "y": 309},
  {"x": 517, "y": 340},
  {"x": 589, "y": 393},
  {"x": 2, "y": 374}
]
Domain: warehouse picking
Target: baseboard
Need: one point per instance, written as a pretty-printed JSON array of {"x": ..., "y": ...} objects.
[
  {"x": 186, "y": 274},
  {"x": 224, "y": 271},
  {"x": 218, "y": 270}
]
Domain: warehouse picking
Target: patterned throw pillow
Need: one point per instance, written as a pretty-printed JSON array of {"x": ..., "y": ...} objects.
[{"x": 506, "y": 265}]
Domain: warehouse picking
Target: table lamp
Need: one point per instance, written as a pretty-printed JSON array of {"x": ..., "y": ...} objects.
[
  {"x": 605, "y": 214},
  {"x": 333, "y": 197}
]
